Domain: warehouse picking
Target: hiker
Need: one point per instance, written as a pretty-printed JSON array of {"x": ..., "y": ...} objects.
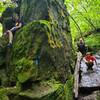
[
  {"x": 81, "y": 46},
  {"x": 90, "y": 60},
  {"x": 11, "y": 32}
]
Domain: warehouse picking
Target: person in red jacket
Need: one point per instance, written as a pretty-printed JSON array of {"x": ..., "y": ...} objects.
[{"x": 89, "y": 60}]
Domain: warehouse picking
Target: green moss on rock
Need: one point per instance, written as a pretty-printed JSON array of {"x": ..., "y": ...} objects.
[
  {"x": 31, "y": 44},
  {"x": 25, "y": 69},
  {"x": 42, "y": 51}
]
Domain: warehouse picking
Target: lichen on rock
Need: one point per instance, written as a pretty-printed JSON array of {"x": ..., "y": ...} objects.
[{"x": 42, "y": 51}]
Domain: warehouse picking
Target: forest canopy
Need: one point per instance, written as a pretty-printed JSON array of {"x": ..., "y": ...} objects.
[{"x": 84, "y": 15}]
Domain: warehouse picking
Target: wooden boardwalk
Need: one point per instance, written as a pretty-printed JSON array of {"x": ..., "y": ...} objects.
[
  {"x": 76, "y": 75},
  {"x": 89, "y": 79}
]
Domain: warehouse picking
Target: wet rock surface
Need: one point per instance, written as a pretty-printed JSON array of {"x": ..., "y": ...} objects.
[
  {"x": 90, "y": 78},
  {"x": 90, "y": 81}
]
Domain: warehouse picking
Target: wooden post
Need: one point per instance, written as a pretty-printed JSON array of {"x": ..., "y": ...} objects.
[{"x": 76, "y": 75}]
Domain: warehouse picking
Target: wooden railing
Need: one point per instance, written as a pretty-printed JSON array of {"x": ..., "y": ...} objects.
[{"x": 76, "y": 75}]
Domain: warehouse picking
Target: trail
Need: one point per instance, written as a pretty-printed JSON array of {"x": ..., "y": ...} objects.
[{"x": 89, "y": 81}]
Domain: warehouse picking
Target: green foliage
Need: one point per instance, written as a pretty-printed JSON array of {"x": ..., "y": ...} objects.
[
  {"x": 85, "y": 13},
  {"x": 0, "y": 30},
  {"x": 24, "y": 62},
  {"x": 5, "y": 91},
  {"x": 25, "y": 69},
  {"x": 65, "y": 92},
  {"x": 69, "y": 89},
  {"x": 4, "y": 5},
  {"x": 4, "y": 97},
  {"x": 93, "y": 40}
]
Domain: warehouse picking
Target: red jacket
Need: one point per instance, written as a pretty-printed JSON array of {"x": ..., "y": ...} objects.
[{"x": 90, "y": 58}]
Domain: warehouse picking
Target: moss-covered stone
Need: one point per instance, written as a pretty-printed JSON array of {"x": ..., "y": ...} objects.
[
  {"x": 42, "y": 51},
  {"x": 41, "y": 91},
  {"x": 2, "y": 51},
  {"x": 37, "y": 47},
  {"x": 5, "y": 92},
  {"x": 4, "y": 97},
  {"x": 25, "y": 70}
]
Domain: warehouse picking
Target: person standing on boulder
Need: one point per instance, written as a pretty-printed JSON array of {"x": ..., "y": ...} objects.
[{"x": 18, "y": 25}]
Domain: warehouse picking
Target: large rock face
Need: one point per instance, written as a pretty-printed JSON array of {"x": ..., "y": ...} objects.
[
  {"x": 33, "y": 10},
  {"x": 42, "y": 49},
  {"x": 50, "y": 39}
]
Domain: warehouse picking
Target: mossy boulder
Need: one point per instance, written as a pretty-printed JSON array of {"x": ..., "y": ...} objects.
[
  {"x": 33, "y": 54},
  {"x": 3, "y": 68},
  {"x": 46, "y": 41},
  {"x": 2, "y": 51},
  {"x": 41, "y": 51},
  {"x": 41, "y": 91}
]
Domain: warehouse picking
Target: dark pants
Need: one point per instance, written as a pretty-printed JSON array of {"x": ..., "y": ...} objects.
[
  {"x": 90, "y": 65},
  {"x": 13, "y": 30},
  {"x": 83, "y": 51}
]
